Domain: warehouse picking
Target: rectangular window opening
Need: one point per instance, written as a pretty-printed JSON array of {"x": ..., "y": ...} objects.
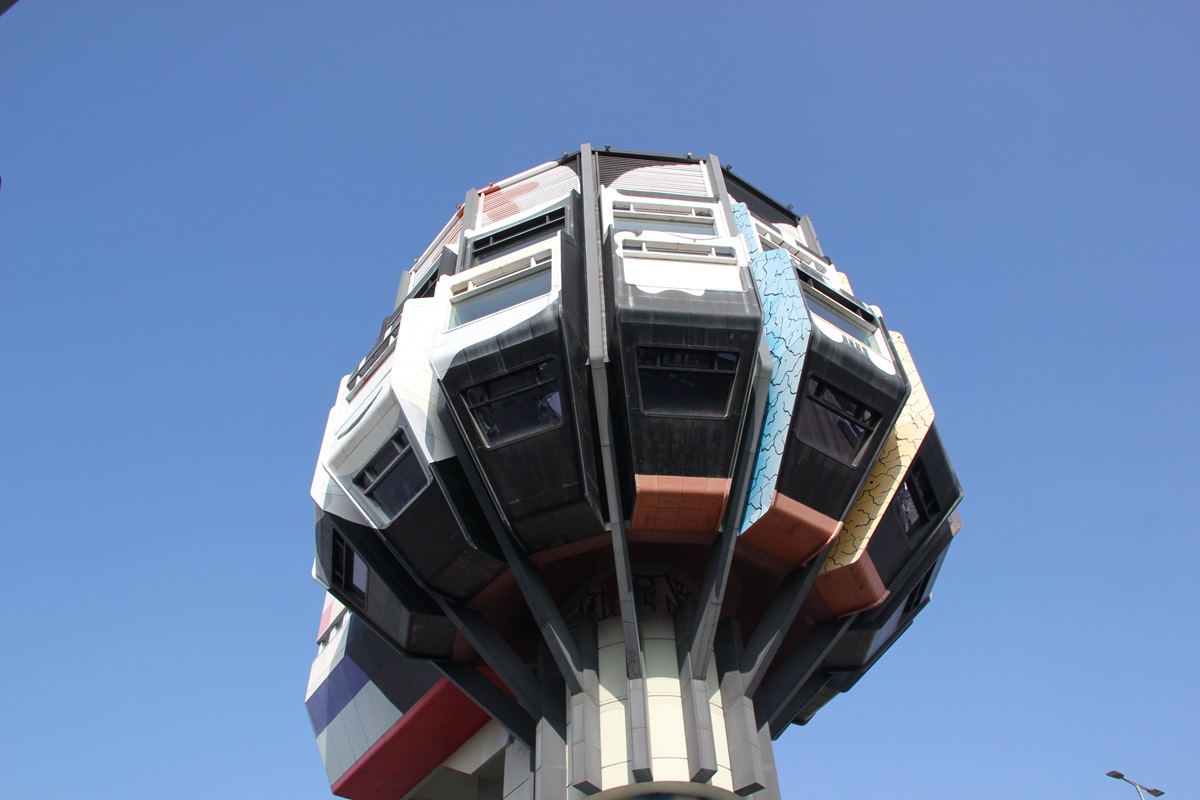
[
  {"x": 845, "y": 321},
  {"x": 501, "y": 292},
  {"x": 516, "y": 405},
  {"x": 349, "y": 571},
  {"x": 683, "y": 382},
  {"x": 835, "y": 423},
  {"x": 918, "y": 593},
  {"x": 393, "y": 476},
  {"x": 518, "y": 235}
]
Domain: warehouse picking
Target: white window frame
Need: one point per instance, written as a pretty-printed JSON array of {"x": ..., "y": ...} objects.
[
  {"x": 543, "y": 256},
  {"x": 874, "y": 334},
  {"x": 651, "y": 209}
]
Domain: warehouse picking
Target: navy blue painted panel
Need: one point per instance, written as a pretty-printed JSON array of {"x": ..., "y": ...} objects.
[{"x": 335, "y": 693}]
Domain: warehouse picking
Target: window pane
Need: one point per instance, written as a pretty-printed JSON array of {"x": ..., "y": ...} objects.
[
  {"x": 694, "y": 227},
  {"x": 839, "y": 320},
  {"x": 829, "y": 431},
  {"x": 695, "y": 359},
  {"x": 394, "y": 490},
  {"x": 379, "y": 464},
  {"x": 489, "y": 301},
  {"x": 509, "y": 383},
  {"x": 684, "y": 392},
  {"x": 844, "y": 403},
  {"x": 359, "y": 579},
  {"x": 910, "y": 516},
  {"x": 518, "y": 415}
]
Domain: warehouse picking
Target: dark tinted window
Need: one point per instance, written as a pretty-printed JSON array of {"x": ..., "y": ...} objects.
[
  {"x": 393, "y": 477},
  {"x": 516, "y": 405},
  {"x": 915, "y": 501},
  {"x": 917, "y": 595},
  {"x": 834, "y": 422},
  {"x": 349, "y": 571},
  {"x": 685, "y": 382},
  {"x": 516, "y": 236}
]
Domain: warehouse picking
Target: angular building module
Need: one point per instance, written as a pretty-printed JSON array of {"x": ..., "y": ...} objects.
[{"x": 630, "y": 482}]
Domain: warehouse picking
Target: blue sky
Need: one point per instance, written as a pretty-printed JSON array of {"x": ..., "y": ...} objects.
[{"x": 205, "y": 210}]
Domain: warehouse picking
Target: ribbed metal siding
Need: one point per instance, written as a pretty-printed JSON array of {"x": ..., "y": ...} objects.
[
  {"x": 554, "y": 184},
  {"x": 644, "y": 174},
  {"x": 759, "y": 204}
]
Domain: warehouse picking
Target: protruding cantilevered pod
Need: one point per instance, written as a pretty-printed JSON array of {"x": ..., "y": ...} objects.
[{"x": 630, "y": 481}]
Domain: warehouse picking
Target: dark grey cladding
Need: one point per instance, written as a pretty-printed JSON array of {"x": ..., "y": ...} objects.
[
  {"x": 394, "y": 605},
  {"x": 402, "y": 680},
  {"x": 908, "y": 550},
  {"x": 544, "y": 479},
  {"x": 716, "y": 322},
  {"x": 443, "y": 537},
  {"x": 926, "y": 498},
  {"x": 809, "y": 473}
]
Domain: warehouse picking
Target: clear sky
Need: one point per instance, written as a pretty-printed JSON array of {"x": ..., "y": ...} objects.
[{"x": 205, "y": 211}]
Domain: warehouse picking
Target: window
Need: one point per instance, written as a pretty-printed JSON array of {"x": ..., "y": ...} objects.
[
  {"x": 504, "y": 287},
  {"x": 685, "y": 251},
  {"x": 685, "y": 383},
  {"x": 517, "y": 405},
  {"x": 382, "y": 349},
  {"x": 834, "y": 422},
  {"x": 349, "y": 573},
  {"x": 639, "y": 217},
  {"x": 514, "y": 236},
  {"x": 771, "y": 239},
  {"x": 918, "y": 593},
  {"x": 393, "y": 477},
  {"x": 915, "y": 500},
  {"x": 842, "y": 319}
]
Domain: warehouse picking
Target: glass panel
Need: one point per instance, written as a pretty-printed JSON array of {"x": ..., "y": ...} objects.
[
  {"x": 490, "y": 301},
  {"x": 359, "y": 578},
  {"x": 518, "y": 415},
  {"x": 394, "y": 490},
  {"x": 843, "y": 402},
  {"x": 694, "y": 359},
  {"x": 830, "y": 432},
  {"x": 839, "y": 320},
  {"x": 727, "y": 361},
  {"x": 910, "y": 516},
  {"x": 694, "y": 227},
  {"x": 684, "y": 392},
  {"x": 511, "y": 382}
]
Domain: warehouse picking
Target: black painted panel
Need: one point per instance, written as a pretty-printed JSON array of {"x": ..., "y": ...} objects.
[
  {"x": 728, "y": 322},
  {"x": 545, "y": 484},
  {"x": 815, "y": 478},
  {"x": 396, "y": 607}
]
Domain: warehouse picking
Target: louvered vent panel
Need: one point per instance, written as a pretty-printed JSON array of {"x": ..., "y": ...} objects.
[
  {"x": 451, "y": 237},
  {"x": 647, "y": 175},
  {"x": 546, "y": 187},
  {"x": 686, "y": 179},
  {"x": 761, "y": 207}
]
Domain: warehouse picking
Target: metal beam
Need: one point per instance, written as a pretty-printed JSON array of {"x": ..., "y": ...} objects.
[
  {"x": 498, "y": 653},
  {"x": 492, "y": 699},
  {"x": 777, "y": 620},
  {"x": 635, "y": 667},
  {"x": 776, "y": 696}
]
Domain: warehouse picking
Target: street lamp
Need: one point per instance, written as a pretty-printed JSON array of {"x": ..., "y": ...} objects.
[{"x": 1138, "y": 786}]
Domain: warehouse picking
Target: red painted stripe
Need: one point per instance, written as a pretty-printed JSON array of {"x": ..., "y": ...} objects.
[{"x": 432, "y": 730}]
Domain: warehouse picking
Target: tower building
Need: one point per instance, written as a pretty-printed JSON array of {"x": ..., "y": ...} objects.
[{"x": 630, "y": 481}]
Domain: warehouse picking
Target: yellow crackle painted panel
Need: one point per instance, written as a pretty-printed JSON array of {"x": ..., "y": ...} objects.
[{"x": 913, "y": 423}]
